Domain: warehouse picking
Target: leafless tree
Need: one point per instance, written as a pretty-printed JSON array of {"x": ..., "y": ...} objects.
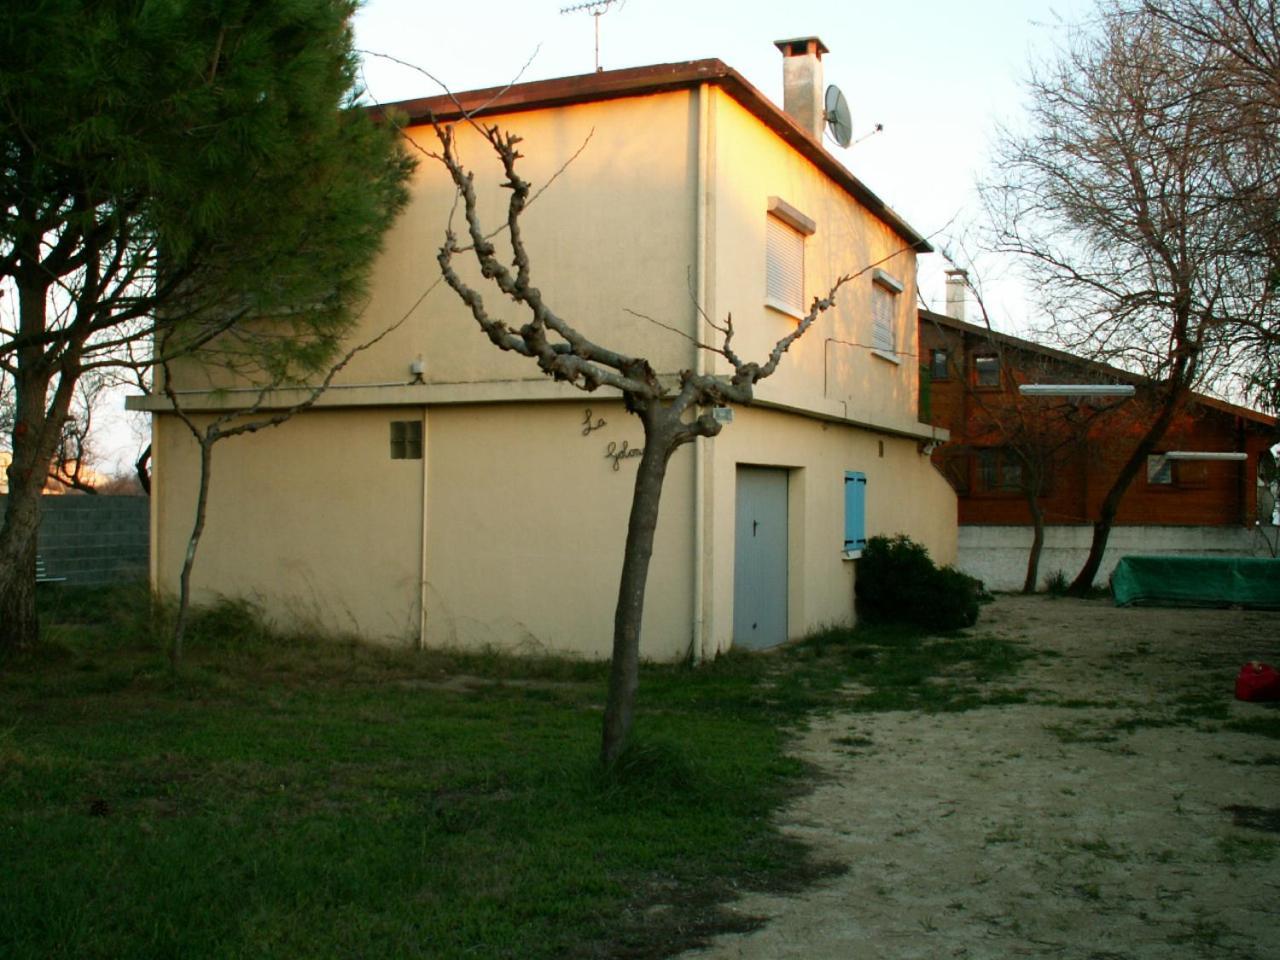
[
  {"x": 1040, "y": 436},
  {"x": 75, "y": 452},
  {"x": 671, "y": 413},
  {"x": 1236, "y": 47},
  {"x": 275, "y": 392},
  {"x": 1126, "y": 206}
]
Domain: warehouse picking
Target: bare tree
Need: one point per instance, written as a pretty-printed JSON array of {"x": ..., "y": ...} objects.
[
  {"x": 1118, "y": 196},
  {"x": 671, "y": 413},
  {"x": 1041, "y": 437}
]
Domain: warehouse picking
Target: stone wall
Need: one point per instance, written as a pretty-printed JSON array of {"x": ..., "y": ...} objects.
[{"x": 90, "y": 539}]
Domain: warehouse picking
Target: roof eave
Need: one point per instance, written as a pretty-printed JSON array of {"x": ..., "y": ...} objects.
[
  {"x": 1105, "y": 369},
  {"x": 643, "y": 81}
]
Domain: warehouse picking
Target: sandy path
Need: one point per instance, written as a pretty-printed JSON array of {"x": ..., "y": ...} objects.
[{"x": 1040, "y": 829}]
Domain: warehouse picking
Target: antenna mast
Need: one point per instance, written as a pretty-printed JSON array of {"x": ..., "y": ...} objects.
[{"x": 597, "y": 9}]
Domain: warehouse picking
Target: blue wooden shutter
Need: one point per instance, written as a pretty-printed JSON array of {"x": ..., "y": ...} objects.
[{"x": 855, "y": 510}]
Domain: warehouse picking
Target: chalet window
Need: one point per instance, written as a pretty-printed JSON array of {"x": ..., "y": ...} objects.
[
  {"x": 884, "y": 312},
  {"x": 785, "y": 232},
  {"x": 406, "y": 439},
  {"x": 855, "y": 512},
  {"x": 999, "y": 471},
  {"x": 986, "y": 370},
  {"x": 1159, "y": 470},
  {"x": 938, "y": 361},
  {"x": 1185, "y": 474}
]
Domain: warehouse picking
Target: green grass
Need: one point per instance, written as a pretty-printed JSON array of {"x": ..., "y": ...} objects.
[{"x": 293, "y": 797}]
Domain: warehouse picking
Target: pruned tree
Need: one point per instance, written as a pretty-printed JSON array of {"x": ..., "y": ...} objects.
[
  {"x": 1120, "y": 198},
  {"x": 169, "y": 172},
  {"x": 671, "y": 413}
]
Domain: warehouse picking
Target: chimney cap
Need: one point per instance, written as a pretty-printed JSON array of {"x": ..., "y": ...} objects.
[{"x": 799, "y": 46}]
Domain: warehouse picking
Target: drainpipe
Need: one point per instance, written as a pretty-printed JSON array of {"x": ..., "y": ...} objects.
[
  {"x": 701, "y": 449},
  {"x": 422, "y": 561}
]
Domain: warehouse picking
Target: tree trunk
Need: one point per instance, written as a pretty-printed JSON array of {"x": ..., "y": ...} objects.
[
  {"x": 184, "y": 582},
  {"x": 34, "y": 439},
  {"x": 19, "y": 625},
  {"x": 1083, "y": 582},
  {"x": 1037, "y": 545},
  {"x": 624, "y": 671}
]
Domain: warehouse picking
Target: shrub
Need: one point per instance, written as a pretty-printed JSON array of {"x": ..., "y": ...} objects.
[
  {"x": 1056, "y": 584},
  {"x": 898, "y": 583}
]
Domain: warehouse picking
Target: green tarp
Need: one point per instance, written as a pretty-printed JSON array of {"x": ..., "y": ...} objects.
[{"x": 1197, "y": 582}]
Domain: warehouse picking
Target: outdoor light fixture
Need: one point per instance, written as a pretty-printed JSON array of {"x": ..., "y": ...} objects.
[
  {"x": 1205, "y": 455},
  {"x": 416, "y": 369},
  {"x": 1077, "y": 389}
]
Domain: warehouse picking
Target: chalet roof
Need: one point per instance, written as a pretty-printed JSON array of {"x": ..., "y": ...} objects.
[
  {"x": 1101, "y": 370},
  {"x": 644, "y": 81}
]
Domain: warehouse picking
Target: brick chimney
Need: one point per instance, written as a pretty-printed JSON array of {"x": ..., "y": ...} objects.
[
  {"x": 957, "y": 288},
  {"x": 802, "y": 88}
]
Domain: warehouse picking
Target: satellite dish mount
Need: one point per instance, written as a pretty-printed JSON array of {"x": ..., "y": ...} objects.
[{"x": 836, "y": 113}]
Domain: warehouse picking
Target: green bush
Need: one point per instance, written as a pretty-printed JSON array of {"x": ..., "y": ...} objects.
[
  {"x": 899, "y": 583},
  {"x": 1056, "y": 584}
]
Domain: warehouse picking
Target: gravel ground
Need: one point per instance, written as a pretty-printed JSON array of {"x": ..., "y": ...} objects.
[{"x": 1116, "y": 814}]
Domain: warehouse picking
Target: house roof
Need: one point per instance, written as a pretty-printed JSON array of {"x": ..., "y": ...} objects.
[
  {"x": 1102, "y": 370},
  {"x": 644, "y": 81}
]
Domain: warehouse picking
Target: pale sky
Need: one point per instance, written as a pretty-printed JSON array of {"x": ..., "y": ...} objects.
[{"x": 937, "y": 75}]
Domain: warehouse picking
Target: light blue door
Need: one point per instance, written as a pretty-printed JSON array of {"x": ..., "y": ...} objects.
[{"x": 760, "y": 559}]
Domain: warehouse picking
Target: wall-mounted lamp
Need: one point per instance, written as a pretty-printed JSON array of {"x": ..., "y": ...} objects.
[
  {"x": 1077, "y": 389},
  {"x": 1158, "y": 461},
  {"x": 1205, "y": 455},
  {"x": 416, "y": 369}
]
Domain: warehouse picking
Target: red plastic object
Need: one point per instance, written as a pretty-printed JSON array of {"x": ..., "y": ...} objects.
[{"x": 1258, "y": 681}]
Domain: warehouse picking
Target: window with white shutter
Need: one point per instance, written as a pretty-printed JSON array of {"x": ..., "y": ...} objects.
[
  {"x": 784, "y": 268},
  {"x": 785, "y": 232},
  {"x": 884, "y": 313}
]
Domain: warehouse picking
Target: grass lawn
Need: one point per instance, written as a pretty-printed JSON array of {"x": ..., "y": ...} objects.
[{"x": 291, "y": 797}]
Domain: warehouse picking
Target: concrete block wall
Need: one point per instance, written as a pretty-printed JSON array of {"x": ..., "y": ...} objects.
[
  {"x": 997, "y": 555},
  {"x": 94, "y": 539}
]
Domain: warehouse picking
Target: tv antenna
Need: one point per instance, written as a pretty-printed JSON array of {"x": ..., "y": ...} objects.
[{"x": 597, "y": 9}]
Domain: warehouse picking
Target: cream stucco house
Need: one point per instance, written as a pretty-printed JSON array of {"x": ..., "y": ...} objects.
[{"x": 444, "y": 493}]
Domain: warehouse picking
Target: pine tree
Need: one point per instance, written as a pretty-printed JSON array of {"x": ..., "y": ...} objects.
[{"x": 171, "y": 172}]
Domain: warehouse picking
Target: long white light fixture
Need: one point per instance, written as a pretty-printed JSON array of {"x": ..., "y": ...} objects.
[
  {"x": 1077, "y": 389},
  {"x": 1205, "y": 455}
]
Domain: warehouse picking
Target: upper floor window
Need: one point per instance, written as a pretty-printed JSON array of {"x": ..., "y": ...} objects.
[
  {"x": 999, "y": 471},
  {"x": 884, "y": 311},
  {"x": 1163, "y": 472},
  {"x": 986, "y": 370},
  {"x": 785, "y": 231},
  {"x": 938, "y": 364}
]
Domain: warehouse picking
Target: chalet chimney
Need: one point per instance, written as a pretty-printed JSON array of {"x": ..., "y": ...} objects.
[
  {"x": 957, "y": 287},
  {"x": 802, "y": 89}
]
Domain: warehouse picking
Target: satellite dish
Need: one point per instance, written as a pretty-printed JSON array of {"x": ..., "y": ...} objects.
[{"x": 836, "y": 113}]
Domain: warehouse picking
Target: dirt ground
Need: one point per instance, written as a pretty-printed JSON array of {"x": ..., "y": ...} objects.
[{"x": 1116, "y": 814}]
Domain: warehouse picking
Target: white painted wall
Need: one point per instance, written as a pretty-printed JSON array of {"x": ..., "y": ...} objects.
[{"x": 997, "y": 555}]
